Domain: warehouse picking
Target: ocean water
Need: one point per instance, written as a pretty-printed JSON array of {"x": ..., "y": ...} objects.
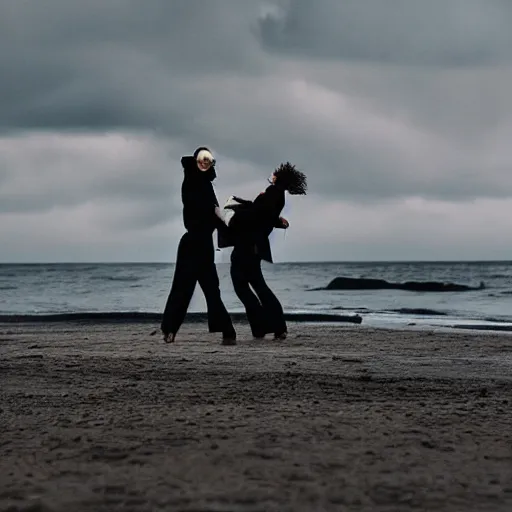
[{"x": 39, "y": 289}]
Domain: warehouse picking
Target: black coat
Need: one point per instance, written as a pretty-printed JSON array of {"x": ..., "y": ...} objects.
[
  {"x": 199, "y": 199},
  {"x": 254, "y": 221}
]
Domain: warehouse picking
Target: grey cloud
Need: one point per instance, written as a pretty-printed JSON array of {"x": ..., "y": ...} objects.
[
  {"x": 449, "y": 33},
  {"x": 61, "y": 173},
  {"x": 349, "y": 149},
  {"x": 192, "y": 72},
  {"x": 117, "y": 65},
  {"x": 136, "y": 215}
]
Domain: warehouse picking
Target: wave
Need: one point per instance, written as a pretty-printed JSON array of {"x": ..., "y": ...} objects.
[
  {"x": 496, "y": 320},
  {"x": 127, "y": 279},
  {"x": 418, "y": 311},
  {"x": 141, "y": 317},
  {"x": 483, "y": 327},
  {"x": 8, "y": 287},
  {"x": 347, "y": 308}
]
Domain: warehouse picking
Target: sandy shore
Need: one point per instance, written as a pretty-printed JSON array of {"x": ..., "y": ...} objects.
[{"x": 102, "y": 417}]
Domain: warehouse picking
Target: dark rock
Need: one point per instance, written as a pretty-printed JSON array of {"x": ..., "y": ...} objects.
[{"x": 350, "y": 283}]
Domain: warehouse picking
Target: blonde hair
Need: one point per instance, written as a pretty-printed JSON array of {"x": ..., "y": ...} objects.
[{"x": 204, "y": 154}]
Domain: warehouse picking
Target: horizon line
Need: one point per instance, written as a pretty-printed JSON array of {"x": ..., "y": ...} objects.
[{"x": 275, "y": 263}]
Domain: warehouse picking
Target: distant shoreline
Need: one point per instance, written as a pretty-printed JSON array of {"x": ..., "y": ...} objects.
[{"x": 305, "y": 262}]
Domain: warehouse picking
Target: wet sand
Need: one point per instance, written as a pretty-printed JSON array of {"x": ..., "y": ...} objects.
[{"x": 103, "y": 417}]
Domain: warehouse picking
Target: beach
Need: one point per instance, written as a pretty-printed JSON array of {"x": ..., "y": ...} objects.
[{"x": 102, "y": 416}]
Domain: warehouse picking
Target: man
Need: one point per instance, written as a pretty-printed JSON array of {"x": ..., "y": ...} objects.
[
  {"x": 195, "y": 262},
  {"x": 249, "y": 228}
]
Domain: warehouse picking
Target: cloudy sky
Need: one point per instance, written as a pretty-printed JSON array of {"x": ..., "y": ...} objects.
[{"x": 399, "y": 111}]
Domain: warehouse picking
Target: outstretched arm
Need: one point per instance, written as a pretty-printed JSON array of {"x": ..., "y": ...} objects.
[
  {"x": 232, "y": 205},
  {"x": 241, "y": 201},
  {"x": 262, "y": 211}
]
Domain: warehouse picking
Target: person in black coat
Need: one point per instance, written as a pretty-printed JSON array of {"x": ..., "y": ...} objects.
[
  {"x": 195, "y": 262},
  {"x": 248, "y": 231}
]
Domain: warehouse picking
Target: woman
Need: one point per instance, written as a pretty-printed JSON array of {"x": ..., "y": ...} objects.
[
  {"x": 195, "y": 262},
  {"x": 249, "y": 229}
]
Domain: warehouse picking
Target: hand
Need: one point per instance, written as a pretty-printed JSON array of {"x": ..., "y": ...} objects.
[{"x": 284, "y": 222}]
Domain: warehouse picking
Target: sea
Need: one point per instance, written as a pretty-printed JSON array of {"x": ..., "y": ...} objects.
[{"x": 79, "y": 289}]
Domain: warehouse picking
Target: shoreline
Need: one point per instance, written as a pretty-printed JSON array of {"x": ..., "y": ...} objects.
[
  {"x": 439, "y": 324},
  {"x": 144, "y": 317}
]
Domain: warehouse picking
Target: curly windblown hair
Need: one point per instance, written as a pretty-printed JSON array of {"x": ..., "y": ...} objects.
[{"x": 291, "y": 179}]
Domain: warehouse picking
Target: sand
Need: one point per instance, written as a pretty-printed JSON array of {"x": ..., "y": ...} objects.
[{"x": 103, "y": 417}]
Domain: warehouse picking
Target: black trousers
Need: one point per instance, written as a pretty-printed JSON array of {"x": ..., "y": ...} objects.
[
  {"x": 195, "y": 263},
  {"x": 263, "y": 309}
]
